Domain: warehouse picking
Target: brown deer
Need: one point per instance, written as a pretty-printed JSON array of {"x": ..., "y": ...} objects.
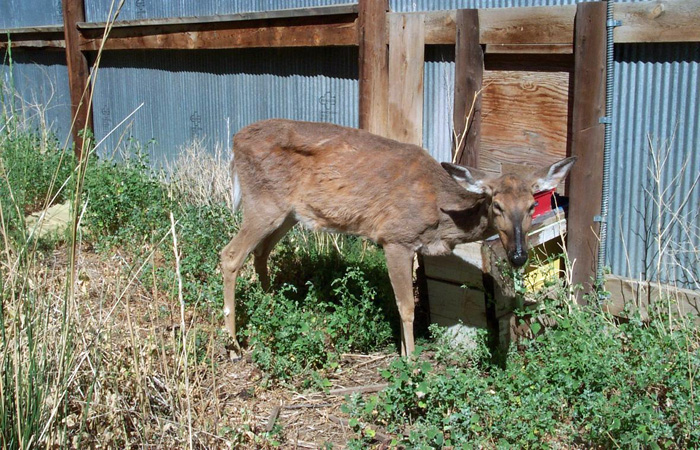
[{"x": 347, "y": 180}]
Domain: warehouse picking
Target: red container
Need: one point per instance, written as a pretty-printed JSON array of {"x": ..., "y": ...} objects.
[{"x": 544, "y": 202}]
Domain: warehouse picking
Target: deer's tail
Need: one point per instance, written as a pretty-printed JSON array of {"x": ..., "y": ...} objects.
[{"x": 235, "y": 186}]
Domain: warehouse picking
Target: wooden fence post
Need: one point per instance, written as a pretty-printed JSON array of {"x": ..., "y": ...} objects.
[
  {"x": 374, "y": 65},
  {"x": 78, "y": 72},
  {"x": 469, "y": 75},
  {"x": 406, "y": 66},
  {"x": 586, "y": 179}
]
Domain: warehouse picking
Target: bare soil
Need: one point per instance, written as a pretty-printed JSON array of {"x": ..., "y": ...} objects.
[{"x": 131, "y": 356}]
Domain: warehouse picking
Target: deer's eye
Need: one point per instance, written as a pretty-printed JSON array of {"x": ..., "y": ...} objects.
[
  {"x": 532, "y": 207},
  {"x": 497, "y": 208}
]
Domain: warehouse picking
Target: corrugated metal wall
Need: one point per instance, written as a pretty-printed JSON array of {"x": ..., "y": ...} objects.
[
  {"x": 38, "y": 84},
  {"x": 207, "y": 94},
  {"x": 30, "y": 13},
  {"x": 98, "y": 10},
  {"x": 434, "y": 5},
  {"x": 657, "y": 106}
]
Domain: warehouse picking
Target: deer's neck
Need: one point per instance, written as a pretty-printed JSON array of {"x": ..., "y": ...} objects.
[{"x": 465, "y": 224}]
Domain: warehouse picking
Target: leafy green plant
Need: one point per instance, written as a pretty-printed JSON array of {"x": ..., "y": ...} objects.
[
  {"x": 289, "y": 337},
  {"x": 33, "y": 173},
  {"x": 126, "y": 201},
  {"x": 588, "y": 381}
]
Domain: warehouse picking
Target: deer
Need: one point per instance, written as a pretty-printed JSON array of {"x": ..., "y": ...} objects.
[{"x": 347, "y": 180}]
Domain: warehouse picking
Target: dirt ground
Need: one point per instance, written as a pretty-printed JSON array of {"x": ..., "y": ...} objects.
[{"x": 141, "y": 394}]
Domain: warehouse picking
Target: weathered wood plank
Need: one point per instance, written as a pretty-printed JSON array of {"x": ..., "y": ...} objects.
[
  {"x": 529, "y": 25},
  {"x": 655, "y": 21},
  {"x": 628, "y": 296},
  {"x": 450, "y": 303},
  {"x": 304, "y": 32},
  {"x": 469, "y": 75},
  {"x": 658, "y": 21},
  {"x": 78, "y": 72},
  {"x": 586, "y": 177},
  {"x": 406, "y": 60},
  {"x": 18, "y": 31},
  {"x": 56, "y": 44},
  {"x": 373, "y": 65},
  {"x": 440, "y": 27},
  {"x": 525, "y": 118},
  {"x": 530, "y": 49},
  {"x": 532, "y": 25}
]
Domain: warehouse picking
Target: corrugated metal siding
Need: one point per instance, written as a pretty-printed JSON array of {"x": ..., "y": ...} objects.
[
  {"x": 438, "y": 101},
  {"x": 434, "y": 5},
  {"x": 98, "y": 10},
  {"x": 39, "y": 83},
  {"x": 30, "y": 13},
  {"x": 656, "y": 100},
  {"x": 192, "y": 94}
]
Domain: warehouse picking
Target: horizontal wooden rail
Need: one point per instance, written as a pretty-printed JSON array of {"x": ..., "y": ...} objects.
[
  {"x": 310, "y": 31},
  {"x": 628, "y": 296},
  {"x": 50, "y": 37}
]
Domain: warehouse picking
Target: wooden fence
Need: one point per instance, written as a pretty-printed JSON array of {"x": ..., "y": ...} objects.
[{"x": 541, "y": 72}]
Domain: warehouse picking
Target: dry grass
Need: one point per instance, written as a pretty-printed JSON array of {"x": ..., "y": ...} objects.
[
  {"x": 125, "y": 382},
  {"x": 202, "y": 174}
]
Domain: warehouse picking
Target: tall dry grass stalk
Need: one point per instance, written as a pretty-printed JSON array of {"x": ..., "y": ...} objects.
[
  {"x": 672, "y": 226},
  {"x": 202, "y": 175}
]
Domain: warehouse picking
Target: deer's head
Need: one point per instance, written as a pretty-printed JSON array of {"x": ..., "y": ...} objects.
[{"x": 511, "y": 200}]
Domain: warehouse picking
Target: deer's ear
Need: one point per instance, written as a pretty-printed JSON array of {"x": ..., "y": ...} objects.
[
  {"x": 549, "y": 177},
  {"x": 472, "y": 180}
]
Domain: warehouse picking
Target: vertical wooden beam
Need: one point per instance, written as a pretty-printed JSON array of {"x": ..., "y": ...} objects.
[
  {"x": 469, "y": 75},
  {"x": 406, "y": 66},
  {"x": 373, "y": 64},
  {"x": 586, "y": 179},
  {"x": 78, "y": 71}
]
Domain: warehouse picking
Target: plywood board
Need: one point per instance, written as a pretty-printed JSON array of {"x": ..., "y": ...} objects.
[
  {"x": 450, "y": 304},
  {"x": 524, "y": 118},
  {"x": 631, "y": 296},
  {"x": 462, "y": 267}
]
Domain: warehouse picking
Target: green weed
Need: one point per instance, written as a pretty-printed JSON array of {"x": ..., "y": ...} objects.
[{"x": 588, "y": 381}]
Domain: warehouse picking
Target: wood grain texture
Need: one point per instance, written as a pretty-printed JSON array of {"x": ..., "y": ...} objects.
[
  {"x": 469, "y": 75},
  {"x": 532, "y": 25},
  {"x": 587, "y": 142},
  {"x": 406, "y": 60},
  {"x": 529, "y": 25},
  {"x": 298, "y": 32},
  {"x": 629, "y": 296},
  {"x": 450, "y": 303},
  {"x": 658, "y": 21},
  {"x": 373, "y": 65},
  {"x": 525, "y": 118},
  {"x": 530, "y": 49},
  {"x": 78, "y": 72}
]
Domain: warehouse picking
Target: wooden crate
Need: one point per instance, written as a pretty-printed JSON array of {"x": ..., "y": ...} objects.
[{"x": 469, "y": 290}]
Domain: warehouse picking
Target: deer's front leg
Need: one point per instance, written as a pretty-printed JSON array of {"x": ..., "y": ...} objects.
[{"x": 399, "y": 261}]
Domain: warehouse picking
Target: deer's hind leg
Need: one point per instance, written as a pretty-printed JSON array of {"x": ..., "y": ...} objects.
[
  {"x": 255, "y": 229},
  {"x": 262, "y": 251}
]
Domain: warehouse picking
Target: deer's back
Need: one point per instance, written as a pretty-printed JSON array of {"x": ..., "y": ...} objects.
[{"x": 342, "y": 179}]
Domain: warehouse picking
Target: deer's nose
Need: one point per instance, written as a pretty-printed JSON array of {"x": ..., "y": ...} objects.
[{"x": 518, "y": 258}]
